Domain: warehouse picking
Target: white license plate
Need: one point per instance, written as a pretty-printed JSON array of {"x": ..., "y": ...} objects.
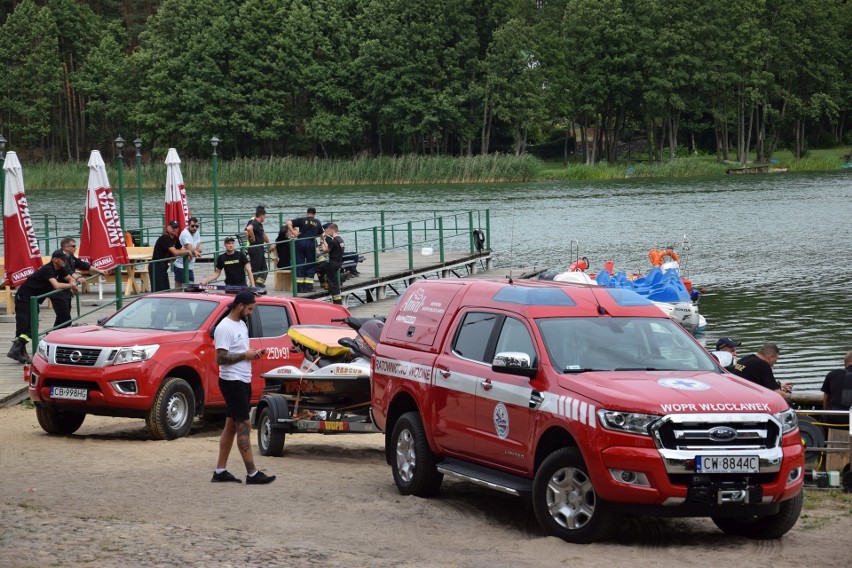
[
  {"x": 69, "y": 393},
  {"x": 727, "y": 464}
]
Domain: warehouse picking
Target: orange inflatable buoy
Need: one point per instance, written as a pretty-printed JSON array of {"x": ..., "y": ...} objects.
[
  {"x": 656, "y": 256},
  {"x": 579, "y": 266}
]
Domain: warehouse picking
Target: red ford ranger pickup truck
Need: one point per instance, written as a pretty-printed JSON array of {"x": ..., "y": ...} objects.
[
  {"x": 155, "y": 359},
  {"x": 587, "y": 400}
]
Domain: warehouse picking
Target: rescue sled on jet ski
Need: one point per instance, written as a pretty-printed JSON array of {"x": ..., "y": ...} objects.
[{"x": 329, "y": 393}]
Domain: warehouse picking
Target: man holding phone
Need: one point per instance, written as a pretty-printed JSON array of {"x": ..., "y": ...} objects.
[{"x": 234, "y": 358}]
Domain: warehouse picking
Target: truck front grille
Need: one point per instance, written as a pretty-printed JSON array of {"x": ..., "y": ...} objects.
[
  {"x": 81, "y": 357},
  {"x": 695, "y": 432}
]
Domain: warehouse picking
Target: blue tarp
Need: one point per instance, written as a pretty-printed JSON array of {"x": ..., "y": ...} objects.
[{"x": 657, "y": 286}]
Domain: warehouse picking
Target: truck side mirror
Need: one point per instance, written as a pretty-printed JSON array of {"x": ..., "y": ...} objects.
[{"x": 513, "y": 363}]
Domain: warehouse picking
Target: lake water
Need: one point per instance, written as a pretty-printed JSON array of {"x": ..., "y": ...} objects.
[{"x": 772, "y": 252}]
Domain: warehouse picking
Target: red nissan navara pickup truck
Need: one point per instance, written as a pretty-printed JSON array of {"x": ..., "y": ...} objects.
[
  {"x": 590, "y": 401},
  {"x": 155, "y": 359}
]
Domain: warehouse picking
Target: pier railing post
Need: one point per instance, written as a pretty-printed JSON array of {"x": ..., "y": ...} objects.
[
  {"x": 441, "y": 237},
  {"x": 410, "y": 246},
  {"x": 376, "y": 248}
]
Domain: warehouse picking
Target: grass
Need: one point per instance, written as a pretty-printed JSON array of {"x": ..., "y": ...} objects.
[
  {"x": 823, "y": 506},
  {"x": 400, "y": 170}
]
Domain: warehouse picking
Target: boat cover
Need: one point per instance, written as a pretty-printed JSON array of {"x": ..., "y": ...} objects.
[
  {"x": 321, "y": 338},
  {"x": 657, "y": 286}
]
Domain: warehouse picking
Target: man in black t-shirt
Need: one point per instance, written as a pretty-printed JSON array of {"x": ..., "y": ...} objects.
[
  {"x": 836, "y": 382},
  {"x": 307, "y": 229},
  {"x": 53, "y": 276},
  {"x": 167, "y": 246},
  {"x": 61, "y": 302},
  {"x": 332, "y": 244},
  {"x": 235, "y": 264},
  {"x": 757, "y": 368},
  {"x": 257, "y": 240}
]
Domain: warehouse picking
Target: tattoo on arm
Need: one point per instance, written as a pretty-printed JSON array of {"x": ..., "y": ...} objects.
[{"x": 225, "y": 358}]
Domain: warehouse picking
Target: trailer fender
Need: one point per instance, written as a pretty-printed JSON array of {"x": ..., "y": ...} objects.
[{"x": 278, "y": 409}]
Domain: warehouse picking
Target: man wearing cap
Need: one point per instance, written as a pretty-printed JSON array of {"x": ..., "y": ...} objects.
[
  {"x": 52, "y": 276},
  {"x": 61, "y": 302},
  {"x": 306, "y": 229},
  {"x": 726, "y": 351},
  {"x": 234, "y": 358},
  {"x": 257, "y": 240},
  {"x": 333, "y": 246},
  {"x": 235, "y": 264},
  {"x": 189, "y": 239},
  {"x": 757, "y": 368},
  {"x": 167, "y": 246}
]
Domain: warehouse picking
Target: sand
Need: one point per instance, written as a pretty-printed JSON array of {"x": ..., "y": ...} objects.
[{"x": 110, "y": 496}]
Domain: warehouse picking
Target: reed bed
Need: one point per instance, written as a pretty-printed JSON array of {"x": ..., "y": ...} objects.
[{"x": 253, "y": 172}]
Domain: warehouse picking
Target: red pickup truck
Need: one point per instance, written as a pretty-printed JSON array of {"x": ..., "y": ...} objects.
[
  {"x": 155, "y": 359},
  {"x": 589, "y": 401}
]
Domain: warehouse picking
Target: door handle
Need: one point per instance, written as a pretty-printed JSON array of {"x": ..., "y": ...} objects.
[
  {"x": 486, "y": 384},
  {"x": 445, "y": 373}
]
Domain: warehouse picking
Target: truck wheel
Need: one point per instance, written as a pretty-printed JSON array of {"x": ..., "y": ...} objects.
[
  {"x": 764, "y": 527},
  {"x": 59, "y": 422},
  {"x": 173, "y": 411},
  {"x": 270, "y": 441},
  {"x": 414, "y": 470},
  {"x": 565, "y": 502}
]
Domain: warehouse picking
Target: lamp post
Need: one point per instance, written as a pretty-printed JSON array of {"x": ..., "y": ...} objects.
[
  {"x": 119, "y": 143},
  {"x": 2, "y": 162},
  {"x": 215, "y": 142},
  {"x": 138, "y": 144}
]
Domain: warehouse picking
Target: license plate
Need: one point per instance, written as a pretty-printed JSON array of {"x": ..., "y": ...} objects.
[
  {"x": 727, "y": 464},
  {"x": 69, "y": 393}
]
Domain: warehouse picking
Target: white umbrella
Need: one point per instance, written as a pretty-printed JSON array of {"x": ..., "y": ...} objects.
[{"x": 177, "y": 206}]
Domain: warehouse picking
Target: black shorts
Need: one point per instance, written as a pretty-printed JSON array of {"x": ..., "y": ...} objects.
[{"x": 237, "y": 398}]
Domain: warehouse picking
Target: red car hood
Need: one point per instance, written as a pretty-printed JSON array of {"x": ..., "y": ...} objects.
[
  {"x": 97, "y": 336},
  {"x": 673, "y": 392}
]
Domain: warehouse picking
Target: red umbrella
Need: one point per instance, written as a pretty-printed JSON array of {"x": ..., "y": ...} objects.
[
  {"x": 177, "y": 206},
  {"x": 102, "y": 243},
  {"x": 20, "y": 245}
]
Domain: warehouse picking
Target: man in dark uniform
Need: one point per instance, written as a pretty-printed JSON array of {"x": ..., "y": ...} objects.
[
  {"x": 837, "y": 392},
  {"x": 332, "y": 244},
  {"x": 53, "y": 276},
  {"x": 235, "y": 264},
  {"x": 61, "y": 302},
  {"x": 167, "y": 246},
  {"x": 307, "y": 229},
  {"x": 757, "y": 368},
  {"x": 257, "y": 240}
]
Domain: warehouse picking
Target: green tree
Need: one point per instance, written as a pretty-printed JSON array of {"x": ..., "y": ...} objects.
[{"x": 30, "y": 74}]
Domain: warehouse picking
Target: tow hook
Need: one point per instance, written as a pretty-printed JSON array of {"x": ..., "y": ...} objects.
[{"x": 725, "y": 496}]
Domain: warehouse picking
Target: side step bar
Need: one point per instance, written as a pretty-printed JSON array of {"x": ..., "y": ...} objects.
[{"x": 497, "y": 480}]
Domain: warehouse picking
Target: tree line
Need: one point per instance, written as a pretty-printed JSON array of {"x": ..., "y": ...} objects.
[{"x": 351, "y": 78}]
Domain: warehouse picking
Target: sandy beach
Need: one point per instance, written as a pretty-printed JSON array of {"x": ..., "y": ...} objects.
[{"x": 110, "y": 496}]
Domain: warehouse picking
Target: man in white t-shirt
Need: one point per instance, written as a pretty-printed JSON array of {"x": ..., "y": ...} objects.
[
  {"x": 234, "y": 358},
  {"x": 190, "y": 239}
]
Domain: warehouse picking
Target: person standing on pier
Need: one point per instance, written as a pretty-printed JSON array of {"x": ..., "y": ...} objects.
[
  {"x": 837, "y": 392},
  {"x": 189, "y": 239},
  {"x": 757, "y": 368},
  {"x": 167, "y": 246},
  {"x": 307, "y": 229},
  {"x": 235, "y": 264},
  {"x": 257, "y": 240},
  {"x": 332, "y": 245},
  {"x": 61, "y": 302}
]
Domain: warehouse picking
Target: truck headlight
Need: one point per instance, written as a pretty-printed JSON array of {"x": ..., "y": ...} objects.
[
  {"x": 631, "y": 422},
  {"x": 135, "y": 354},
  {"x": 787, "y": 419},
  {"x": 43, "y": 349}
]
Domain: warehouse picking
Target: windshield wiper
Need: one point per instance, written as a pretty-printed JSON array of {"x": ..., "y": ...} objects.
[
  {"x": 638, "y": 369},
  {"x": 576, "y": 370}
]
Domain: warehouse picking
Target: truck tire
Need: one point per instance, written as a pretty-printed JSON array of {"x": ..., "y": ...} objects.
[
  {"x": 173, "y": 410},
  {"x": 764, "y": 527},
  {"x": 60, "y": 422},
  {"x": 414, "y": 469},
  {"x": 270, "y": 441},
  {"x": 565, "y": 502}
]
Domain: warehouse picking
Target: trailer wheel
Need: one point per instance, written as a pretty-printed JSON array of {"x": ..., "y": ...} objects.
[
  {"x": 812, "y": 437},
  {"x": 414, "y": 469},
  {"x": 565, "y": 501},
  {"x": 766, "y": 526},
  {"x": 270, "y": 441}
]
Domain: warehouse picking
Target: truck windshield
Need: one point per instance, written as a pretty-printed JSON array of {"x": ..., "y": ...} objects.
[
  {"x": 167, "y": 314},
  {"x": 577, "y": 345}
]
